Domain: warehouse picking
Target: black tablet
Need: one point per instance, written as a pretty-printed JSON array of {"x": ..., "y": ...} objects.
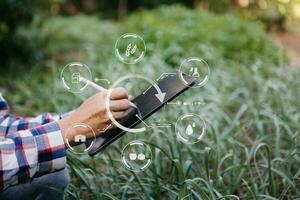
[{"x": 147, "y": 103}]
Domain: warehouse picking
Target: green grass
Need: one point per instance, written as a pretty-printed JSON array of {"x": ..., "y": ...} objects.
[{"x": 251, "y": 149}]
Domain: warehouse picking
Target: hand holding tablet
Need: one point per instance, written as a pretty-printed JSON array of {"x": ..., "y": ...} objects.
[{"x": 147, "y": 103}]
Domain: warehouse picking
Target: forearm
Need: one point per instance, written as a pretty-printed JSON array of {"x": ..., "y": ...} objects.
[
  {"x": 31, "y": 152},
  {"x": 13, "y": 123},
  {"x": 67, "y": 126}
]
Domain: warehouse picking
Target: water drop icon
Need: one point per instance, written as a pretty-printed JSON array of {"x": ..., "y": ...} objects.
[{"x": 189, "y": 130}]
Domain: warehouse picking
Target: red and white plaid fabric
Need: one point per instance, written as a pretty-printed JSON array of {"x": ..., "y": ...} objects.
[{"x": 28, "y": 146}]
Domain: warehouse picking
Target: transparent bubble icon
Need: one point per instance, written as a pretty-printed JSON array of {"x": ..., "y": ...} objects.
[
  {"x": 197, "y": 68},
  {"x": 71, "y": 74},
  {"x": 190, "y": 128},
  {"x": 130, "y": 48},
  {"x": 75, "y": 138},
  {"x": 136, "y": 156}
]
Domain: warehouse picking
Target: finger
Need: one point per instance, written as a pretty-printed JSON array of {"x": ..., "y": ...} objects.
[
  {"x": 107, "y": 127},
  {"x": 119, "y": 105},
  {"x": 119, "y": 115},
  {"x": 130, "y": 98},
  {"x": 118, "y": 93}
]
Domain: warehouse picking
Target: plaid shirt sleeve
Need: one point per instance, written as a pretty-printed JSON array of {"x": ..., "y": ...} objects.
[{"x": 28, "y": 146}]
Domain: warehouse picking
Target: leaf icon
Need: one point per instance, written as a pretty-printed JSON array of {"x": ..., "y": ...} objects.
[
  {"x": 127, "y": 53},
  {"x": 189, "y": 130},
  {"x": 129, "y": 50},
  {"x": 133, "y": 49}
]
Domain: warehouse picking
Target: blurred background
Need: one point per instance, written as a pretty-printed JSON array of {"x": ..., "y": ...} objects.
[{"x": 252, "y": 105}]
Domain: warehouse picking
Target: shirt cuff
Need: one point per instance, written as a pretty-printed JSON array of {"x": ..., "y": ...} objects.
[{"x": 50, "y": 148}]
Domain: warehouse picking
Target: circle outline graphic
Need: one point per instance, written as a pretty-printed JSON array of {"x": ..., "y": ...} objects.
[
  {"x": 63, "y": 79},
  {"x": 178, "y": 132},
  {"x": 126, "y": 35},
  {"x": 199, "y": 60},
  {"x": 86, "y": 149},
  {"x": 123, "y": 159}
]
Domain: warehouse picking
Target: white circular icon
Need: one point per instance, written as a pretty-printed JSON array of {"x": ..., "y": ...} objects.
[
  {"x": 190, "y": 128},
  {"x": 130, "y": 48},
  {"x": 70, "y": 76},
  {"x": 136, "y": 156},
  {"x": 79, "y": 138},
  {"x": 197, "y": 68}
]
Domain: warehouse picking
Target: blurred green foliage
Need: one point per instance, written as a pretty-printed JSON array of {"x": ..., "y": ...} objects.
[
  {"x": 20, "y": 20},
  {"x": 251, "y": 148},
  {"x": 16, "y": 47}
]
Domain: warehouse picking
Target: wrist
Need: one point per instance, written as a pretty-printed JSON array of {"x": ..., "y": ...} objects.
[{"x": 65, "y": 129}]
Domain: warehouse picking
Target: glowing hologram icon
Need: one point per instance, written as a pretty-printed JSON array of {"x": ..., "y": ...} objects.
[
  {"x": 130, "y": 48},
  {"x": 70, "y": 76},
  {"x": 194, "y": 103},
  {"x": 75, "y": 77},
  {"x": 165, "y": 75},
  {"x": 190, "y": 128},
  {"x": 102, "y": 80},
  {"x": 174, "y": 103},
  {"x": 79, "y": 139},
  {"x": 161, "y": 125},
  {"x": 136, "y": 156},
  {"x": 157, "y": 125},
  {"x": 196, "y": 68},
  {"x": 160, "y": 96}
]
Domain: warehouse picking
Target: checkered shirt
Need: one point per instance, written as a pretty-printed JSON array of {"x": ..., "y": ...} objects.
[{"x": 29, "y": 147}]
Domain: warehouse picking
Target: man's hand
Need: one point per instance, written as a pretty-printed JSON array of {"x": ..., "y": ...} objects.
[{"x": 94, "y": 114}]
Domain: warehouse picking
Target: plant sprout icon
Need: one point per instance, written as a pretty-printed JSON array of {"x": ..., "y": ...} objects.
[
  {"x": 189, "y": 129},
  {"x": 129, "y": 50}
]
